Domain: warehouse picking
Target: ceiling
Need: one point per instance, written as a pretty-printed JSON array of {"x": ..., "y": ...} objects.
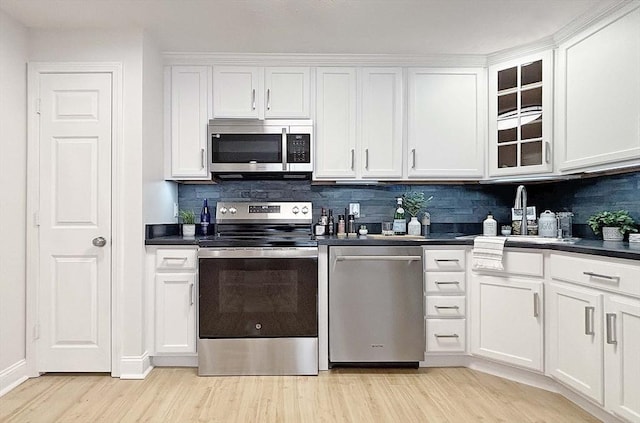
[{"x": 408, "y": 27}]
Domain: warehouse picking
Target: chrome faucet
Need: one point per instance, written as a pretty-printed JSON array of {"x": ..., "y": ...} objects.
[{"x": 521, "y": 204}]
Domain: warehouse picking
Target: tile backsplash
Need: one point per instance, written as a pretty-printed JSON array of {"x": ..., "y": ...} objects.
[{"x": 451, "y": 203}]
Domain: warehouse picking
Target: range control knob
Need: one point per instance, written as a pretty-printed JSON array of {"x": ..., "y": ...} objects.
[
  {"x": 305, "y": 210},
  {"x": 223, "y": 210},
  {"x": 295, "y": 210},
  {"x": 233, "y": 210}
]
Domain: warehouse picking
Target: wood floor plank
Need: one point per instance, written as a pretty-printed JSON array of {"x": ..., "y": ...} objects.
[{"x": 443, "y": 395}]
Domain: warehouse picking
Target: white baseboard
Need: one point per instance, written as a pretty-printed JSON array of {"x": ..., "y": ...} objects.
[
  {"x": 174, "y": 361},
  {"x": 135, "y": 367},
  {"x": 13, "y": 376}
]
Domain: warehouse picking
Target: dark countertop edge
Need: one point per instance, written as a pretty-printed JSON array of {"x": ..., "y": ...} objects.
[{"x": 592, "y": 247}]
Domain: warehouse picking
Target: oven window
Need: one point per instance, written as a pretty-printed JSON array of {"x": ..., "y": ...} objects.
[
  {"x": 244, "y": 148},
  {"x": 258, "y": 297}
]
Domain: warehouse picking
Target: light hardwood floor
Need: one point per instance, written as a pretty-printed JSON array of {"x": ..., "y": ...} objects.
[{"x": 341, "y": 395}]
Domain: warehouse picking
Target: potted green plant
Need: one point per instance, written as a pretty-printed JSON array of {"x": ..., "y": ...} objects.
[
  {"x": 412, "y": 203},
  {"x": 613, "y": 224},
  {"x": 188, "y": 222}
]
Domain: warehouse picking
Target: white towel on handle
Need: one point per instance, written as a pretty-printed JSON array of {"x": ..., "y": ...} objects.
[{"x": 487, "y": 252}]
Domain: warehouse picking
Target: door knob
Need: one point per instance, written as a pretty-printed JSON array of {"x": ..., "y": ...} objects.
[{"x": 99, "y": 241}]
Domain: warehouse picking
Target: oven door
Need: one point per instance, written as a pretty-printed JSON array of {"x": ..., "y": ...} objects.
[{"x": 258, "y": 292}]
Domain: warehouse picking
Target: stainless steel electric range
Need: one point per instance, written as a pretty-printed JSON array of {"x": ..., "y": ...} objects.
[{"x": 258, "y": 291}]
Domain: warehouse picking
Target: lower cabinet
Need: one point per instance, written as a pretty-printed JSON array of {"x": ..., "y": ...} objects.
[
  {"x": 507, "y": 320},
  {"x": 174, "y": 300},
  {"x": 576, "y": 356}
]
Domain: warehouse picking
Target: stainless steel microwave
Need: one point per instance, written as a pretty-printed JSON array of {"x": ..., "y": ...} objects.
[{"x": 269, "y": 148}]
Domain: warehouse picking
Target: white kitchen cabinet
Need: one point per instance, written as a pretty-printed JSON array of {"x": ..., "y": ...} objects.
[
  {"x": 598, "y": 94},
  {"x": 380, "y": 152},
  {"x": 575, "y": 338},
  {"x": 622, "y": 356},
  {"x": 446, "y": 123},
  {"x": 261, "y": 93},
  {"x": 507, "y": 320},
  {"x": 521, "y": 116},
  {"x": 359, "y": 123},
  {"x": 175, "y": 297},
  {"x": 445, "y": 300},
  {"x": 190, "y": 88},
  {"x": 335, "y": 123}
]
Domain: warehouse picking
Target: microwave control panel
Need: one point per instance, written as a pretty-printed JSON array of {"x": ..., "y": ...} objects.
[{"x": 298, "y": 148}]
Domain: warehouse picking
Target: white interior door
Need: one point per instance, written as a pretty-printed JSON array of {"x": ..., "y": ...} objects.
[{"x": 74, "y": 291}]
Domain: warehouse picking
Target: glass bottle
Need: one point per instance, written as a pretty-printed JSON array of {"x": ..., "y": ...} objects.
[
  {"x": 331, "y": 224},
  {"x": 399, "y": 220},
  {"x": 205, "y": 218}
]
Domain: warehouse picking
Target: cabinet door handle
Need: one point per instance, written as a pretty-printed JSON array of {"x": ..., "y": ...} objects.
[
  {"x": 191, "y": 295},
  {"x": 202, "y": 155},
  {"x": 453, "y": 335},
  {"x": 536, "y": 304},
  {"x": 547, "y": 152},
  {"x": 611, "y": 329},
  {"x": 253, "y": 99},
  {"x": 447, "y": 283},
  {"x": 588, "y": 320},
  {"x": 597, "y": 275},
  {"x": 413, "y": 155},
  {"x": 353, "y": 158},
  {"x": 268, "y": 98},
  {"x": 366, "y": 158},
  {"x": 446, "y": 307}
]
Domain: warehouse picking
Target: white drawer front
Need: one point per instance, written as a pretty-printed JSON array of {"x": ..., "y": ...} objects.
[
  {"x": 445, "y": 282},
  {"x": 178, "y": 259},
  {"x": 444, "y": 260},
  {"x": 520, "y": 263},
  {"x": 446, "y": 335},
  {"x": 606, "y": 273},
  {"x": 453, "y": 306}
]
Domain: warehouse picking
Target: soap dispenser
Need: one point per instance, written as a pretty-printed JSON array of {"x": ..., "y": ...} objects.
[{"x": 490, "y": 226}]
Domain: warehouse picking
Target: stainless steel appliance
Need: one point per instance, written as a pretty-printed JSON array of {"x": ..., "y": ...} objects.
[
  {"x": 376, "y": 311},
  {"x": 261, "y": 149},
  {"x": 258, "y": 291}
]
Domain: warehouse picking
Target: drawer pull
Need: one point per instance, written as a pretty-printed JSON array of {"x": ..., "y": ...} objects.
[
  {"x": 611, "y": 329},
  {"x": 175, "y": 258},
  {"x": 446, "y": 307},
  {"x": 588, "y": 320},
  {"x": 452, "y": 260},
  {"x": 447, "y": 283},
  {"x": 597, "y": 275},
  {"x": 454, "y": 335}
]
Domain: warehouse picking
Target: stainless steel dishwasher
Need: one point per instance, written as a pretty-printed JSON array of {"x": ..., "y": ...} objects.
[{"x": 376, "y": 305}]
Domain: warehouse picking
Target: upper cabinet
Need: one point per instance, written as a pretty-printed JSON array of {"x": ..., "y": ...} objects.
[
  {"x": 261, "y": 93},
  {"x": 446, "y": 123},
  {"x": 188, "y": 89},
  {"x": 598, "y": 95},
  {"x": 359, "y": 123},
  {"x": 520, "y": 116}
]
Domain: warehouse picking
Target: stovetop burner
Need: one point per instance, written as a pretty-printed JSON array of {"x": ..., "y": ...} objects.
[{"x": 258, "y": 224}]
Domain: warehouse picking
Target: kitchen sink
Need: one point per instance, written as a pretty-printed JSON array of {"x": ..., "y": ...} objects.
[{"x": 533, "y": 239}]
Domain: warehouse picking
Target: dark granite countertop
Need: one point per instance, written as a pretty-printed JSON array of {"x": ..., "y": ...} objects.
[{"x": 158, "y": 235}]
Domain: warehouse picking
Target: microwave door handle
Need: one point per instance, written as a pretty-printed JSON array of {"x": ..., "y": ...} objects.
[{"x": 284, "y": 149}]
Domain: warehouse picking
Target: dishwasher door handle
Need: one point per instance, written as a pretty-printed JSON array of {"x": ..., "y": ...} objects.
[{"x": 378, "y": 258}]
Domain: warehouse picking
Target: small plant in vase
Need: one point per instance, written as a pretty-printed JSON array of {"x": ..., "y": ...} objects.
[
  {"x": 188, "y": 222},
  {"x": 413, "y": 202},
  {"x": 613, "y": 224}
]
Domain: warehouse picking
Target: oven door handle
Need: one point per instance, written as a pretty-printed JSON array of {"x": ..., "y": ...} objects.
[{"x": 258, "y": 253}]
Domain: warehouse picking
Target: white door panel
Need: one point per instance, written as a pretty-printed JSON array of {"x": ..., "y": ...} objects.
[{"x": 75, "y": 208}]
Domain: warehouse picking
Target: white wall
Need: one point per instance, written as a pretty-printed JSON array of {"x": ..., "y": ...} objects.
[
  {"x": 126, "y": 47},
  {"x": 158, "y": 195},
  {"x": 13, "y": 177}
]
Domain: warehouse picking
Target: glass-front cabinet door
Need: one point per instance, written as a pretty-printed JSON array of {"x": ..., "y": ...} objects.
[{"x": 520, "y": 116}]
